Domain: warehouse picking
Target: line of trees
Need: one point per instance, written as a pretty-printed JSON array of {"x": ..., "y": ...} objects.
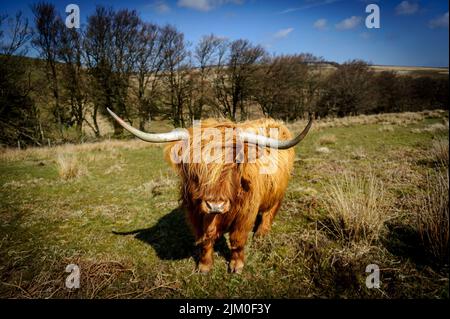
[{"x": 145, "y": 71}]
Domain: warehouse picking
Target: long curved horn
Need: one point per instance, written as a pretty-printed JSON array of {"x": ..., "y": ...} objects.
[
  {"x": 262, "y": 140},
  {"x": 172, "y": 136}
]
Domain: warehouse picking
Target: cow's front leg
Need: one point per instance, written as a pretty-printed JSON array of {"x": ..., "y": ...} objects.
[
  {"x": 238, "y": 239},
  {"x": 206, "y": 256},
  {"x": 210, "y": 234}
]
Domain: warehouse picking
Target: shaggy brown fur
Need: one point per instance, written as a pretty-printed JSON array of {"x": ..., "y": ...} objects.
[{"x": 246, "y": 191}]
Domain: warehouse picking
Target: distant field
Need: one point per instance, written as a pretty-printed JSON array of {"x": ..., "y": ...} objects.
[
  {"x": 112, "y": 208},
  {"x": 412, "y": 70},
  {"x": 401, "y": 70}
]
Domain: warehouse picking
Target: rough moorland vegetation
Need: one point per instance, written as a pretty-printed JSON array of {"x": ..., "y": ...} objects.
[{"x": 378, "y": 195}]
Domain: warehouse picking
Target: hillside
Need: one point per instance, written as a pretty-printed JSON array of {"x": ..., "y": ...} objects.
[{"x": 112, "y": 208}]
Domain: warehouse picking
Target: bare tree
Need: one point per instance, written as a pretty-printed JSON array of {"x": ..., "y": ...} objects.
[
  {"x": 149, "y": 63},
  {"x": 125, "y": 29},
  {"x": 287, "y": 86},
  {"x": 276, "y": 85},
  {"x": 206, "y": 55},
  {"x": 46, "y": 37},
  {"x": 111, "y": 43},
  {"x": 176, "y": 72},
  {"x": 98, "y": 47},
  {"x": 233, "y": 80},
  {"x": 349, "y": 90},
  {"x": 74, "y": 78},
  {"x": 15, "y": 36}
]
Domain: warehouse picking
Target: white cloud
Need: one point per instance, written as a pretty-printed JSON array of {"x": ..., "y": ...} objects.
[
  {"x": 439, "y": 22},
  {"x": 407, "y": 8},
  {"x": 320, "y": 24},
  {"x": 205, "y": 5},
  {"x": 309, "y": 4},
  {"x": 283, "y": 33},
  {"x": 349, "y": 23},
  {"x": 201, "y": 5},
  {"x": 161, "y": 7}
]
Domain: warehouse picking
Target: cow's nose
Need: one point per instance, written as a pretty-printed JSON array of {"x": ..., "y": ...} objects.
[{"x": 215, "y": 207}]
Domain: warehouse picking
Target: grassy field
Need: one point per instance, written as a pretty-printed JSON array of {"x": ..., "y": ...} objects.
[
  {"x": 413, "y": 70},
  {"x": 366, "y": 190}
]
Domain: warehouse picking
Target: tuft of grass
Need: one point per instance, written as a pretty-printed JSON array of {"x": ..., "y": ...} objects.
[
  {"x": 69, "y": 167},
  {"x": 114, "y": 169},
  {"x": 163, "y": 183},
  {"x": 432, "y": 217},
  {"x": 439, "y": 152},
  {"x": 357, "y": 208},
  {"x": 436, "y": 128},
  {"x": 323, "y": 150},
  {"x": 328, "y": 139},
  {"x": 359, "y": 153},
  {"x": 386, "y": 128}
]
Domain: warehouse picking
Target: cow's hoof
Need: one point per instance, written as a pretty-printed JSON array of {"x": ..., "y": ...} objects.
[
  {"x": 236, "y": 266},
  {"x": 204, "y": 268},
  {"x": 261, "y": 232}
]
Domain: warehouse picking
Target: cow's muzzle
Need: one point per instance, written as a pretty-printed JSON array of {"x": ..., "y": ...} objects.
[{"x": 216, "y": 207}]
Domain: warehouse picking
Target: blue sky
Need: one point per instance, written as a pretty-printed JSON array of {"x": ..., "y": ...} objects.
[{"x": 413, "y": 32}]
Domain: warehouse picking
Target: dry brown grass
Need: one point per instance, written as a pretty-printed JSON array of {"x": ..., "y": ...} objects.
[
  {"x": 323, "y": 150},
  {"x": 357, "y": 208},
  {"x": 328, "y": 139},
  {"x": 96, "y": 276},
  {"x": 386, "y": 128},
  {"x": 14, "y": 154},
  {"x": 439, "y": 152},
  {"x": 436, "y": 127},
  {"x": 114, "y": 169},
  {"x": 359, "y": 153},
  {"x": 435, "y": 113},
  {"x": 157, "y": 186},
  {"x": 387, "y": 119},
  {"x": 69, "y": 167},
  {"x": 46, "y": 152},
  {"x": 432, "y": 216}
]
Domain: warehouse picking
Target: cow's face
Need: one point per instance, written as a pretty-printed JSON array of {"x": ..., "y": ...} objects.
[{"x": 211, "y": 189}]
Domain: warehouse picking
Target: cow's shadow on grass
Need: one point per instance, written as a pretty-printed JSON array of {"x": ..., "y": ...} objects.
[{"x": 172, "y": 239}]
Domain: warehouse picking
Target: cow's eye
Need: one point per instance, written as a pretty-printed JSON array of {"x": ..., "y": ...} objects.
[{"x": 245, "y": 184}]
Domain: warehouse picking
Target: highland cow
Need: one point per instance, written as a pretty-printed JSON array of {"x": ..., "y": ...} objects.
[{"x": 230, "y": 173}]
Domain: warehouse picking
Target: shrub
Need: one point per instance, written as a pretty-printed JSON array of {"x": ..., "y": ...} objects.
[
  {"x": 69, "y": 167},
  {"x": 356, "y": 208},
  {"x": 432, "y": 216}
]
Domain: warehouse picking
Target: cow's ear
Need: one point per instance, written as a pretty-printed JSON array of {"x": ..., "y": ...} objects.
[{"x": 172, "y": 155}]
